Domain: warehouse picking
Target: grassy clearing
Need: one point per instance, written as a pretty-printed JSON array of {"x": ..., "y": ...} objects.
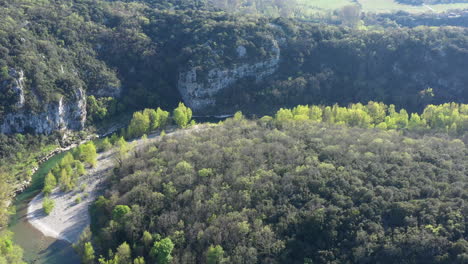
[
  {"x": 386, "y": 6},
  {"x": 317, "y": 7}
]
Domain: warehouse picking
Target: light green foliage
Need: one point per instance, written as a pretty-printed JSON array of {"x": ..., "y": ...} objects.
[
  {"x": 87, "y": 153},
  {"x": 106, "y": 144},
  {"x": 88, "y": 254},
  {"x": 139, "y": 125},
  {"x": 238, "y": 116},
  {"x": 315, "y": 113},
  {"x": 139, "y": 260},
  {"x": 80, "y": 168},
  {"x": 120, "y": 211},
  {"x": 146, "y": 121},
  {"x": 182, "y": 115},
  {"x": 65, "y": 180},
  {"x": 162, "y": 251},
  {"x": 124, "y": 253},
  {"x": 162, "y": 117},
  {"x": 123, "y": 149},
  {"x": 9, "y": 252},
  {"x": 183, "y": 167},
  {"x": 48, "y": 205},
  {"x": 153, "y": 117},
  {"x": 214, "y": 255},
  {"x": 49, "y": 183},
  {"x": 284, "y": 115},
  {"x": 147, "y": 239},
  {"x": 205, "y": 172},
  {"x": 450, "y": 118},
  {"x": 67, "y": 160}
]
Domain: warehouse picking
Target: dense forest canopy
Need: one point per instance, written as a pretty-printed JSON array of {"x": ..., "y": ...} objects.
[
  {"x": 314, "y": 182},
  {"x": 288, "y": 188},
  {"x": 128, "y": 56}
]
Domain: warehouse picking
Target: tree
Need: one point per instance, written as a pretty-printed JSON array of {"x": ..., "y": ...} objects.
[
  {"x": 214, "y": 255},
  {"x": 120, "y": 211},
  {"x": 162, "y": 250},
  {"x": 182, "y": 115},
  {"x": 124, "y": 253},
  {"x": 106, "y": 144},
  {"x": 123, "y": 148},
  {"x": 87, "y": 153},
  {"x": 80, "y": 168},
  {"x": 48, "y": 205},
  {"x": 139, "y": 260},
  {"x": 139, "y": 125},
  {"x": 153, "y": 117},
  {"x": 284, "y": 115},
  {"x": 88, "y": 254},
  {"x": 66, "y": 183},
  {"x": 147, "y": 239},
  {"x": 49, "y": 183},
  {"x": 162, "y": 116}
]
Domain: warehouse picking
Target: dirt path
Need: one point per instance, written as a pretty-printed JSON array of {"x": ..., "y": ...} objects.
[{"x": 69, "y": 218}]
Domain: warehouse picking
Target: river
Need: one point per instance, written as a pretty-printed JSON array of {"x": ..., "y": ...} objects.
[{"x": 39, "y": 249}]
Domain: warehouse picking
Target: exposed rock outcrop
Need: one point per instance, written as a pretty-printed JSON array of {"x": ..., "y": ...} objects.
[
  {"x": 198, "y": 89},
  {"x": 66, "y": 114}
]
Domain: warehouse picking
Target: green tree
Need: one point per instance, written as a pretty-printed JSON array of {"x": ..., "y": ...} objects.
[
  {"x": 123, "y": 149},
  {"x": 163, "y": 117},
  {"x": 139, "y": 125},
  {"x": 182, "y": 115},
  {"x": 120, "y": 211},
  {"x": 80, "y": 168},
  {"x": 124, "y": 254},
  {"x": 49, "y": 183},
  {"x": 139, "y": 260},
  {"x": 87, "y": 153},
  {"x": 162, "y": 251},
  {"x": 284, "y": 115},
  {"x": 106, "y": 144},
  {"x": 214, "y": 255},
  {"x": 147, "y": 239},
  {"x": 48, "y": 205},
  {"x": 65, "y": 180},
  {"x": 88, "y": 254},
  {"x": 153, "y": 118},
  {"x": 9, "y": 252}
]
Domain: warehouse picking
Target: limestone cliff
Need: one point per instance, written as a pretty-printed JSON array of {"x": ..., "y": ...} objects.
[
  {"x": 65, "y": 114},
  {"x": 198, "y": 86}
]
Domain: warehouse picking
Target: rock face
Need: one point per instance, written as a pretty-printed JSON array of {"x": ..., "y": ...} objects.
[
  {"x": 56, "y": 116},
  {"x": 18, "y": 86},
  {"x": 198, "y": 89}
]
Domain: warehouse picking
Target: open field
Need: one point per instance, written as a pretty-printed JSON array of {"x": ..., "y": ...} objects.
[
  {"x": 384, "y": 6},
  {"x": 311, "y": 7}
]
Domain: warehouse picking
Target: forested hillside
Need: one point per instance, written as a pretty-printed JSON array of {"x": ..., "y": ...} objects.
[
  {"x": 310, "y": 185},
  {"x": 364, "y": 183},
  {"x": 95, "y": 59}
]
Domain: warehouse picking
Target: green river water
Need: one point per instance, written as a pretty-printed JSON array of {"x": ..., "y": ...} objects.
[{"x": 39, "y": 249}]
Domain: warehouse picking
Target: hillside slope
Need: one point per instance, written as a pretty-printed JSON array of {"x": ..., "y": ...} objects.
[{"x": 64, "y": 66}]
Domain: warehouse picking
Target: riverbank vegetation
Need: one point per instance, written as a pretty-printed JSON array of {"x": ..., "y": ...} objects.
[
  {"x": 312, "y": 184},
  {"x": 9, "y": 252}
]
